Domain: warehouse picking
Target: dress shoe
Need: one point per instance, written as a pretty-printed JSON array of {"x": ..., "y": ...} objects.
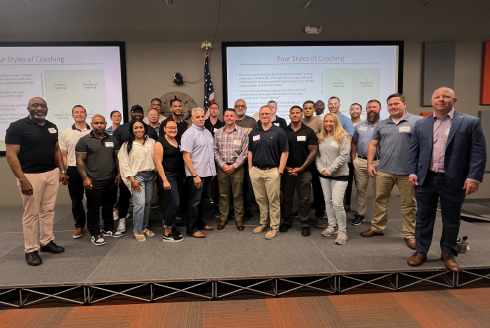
[
  {"x": 416, "y": 259},
  {"x": 410, "y": 242},
  {"x": 221, "y": 225},
  {"x": 371, "y": 233},
  {"x": 450, "y": 262},
  {"x": 284, "y": 227},
  {"x": 358, "y": 219},
  {"x": 305, "y": 231},
  {"x": 51, "y": 247},
  {"x": 197, "y": 234},
  {"x": 78, "y": 233},
  {"x": 240, "y": 226},
  {"x": 248, "y": 215},
  {"x": 347, "y": 208},
  {"x": 208, "y": 228},
  {"x": 33, "y": 258}
]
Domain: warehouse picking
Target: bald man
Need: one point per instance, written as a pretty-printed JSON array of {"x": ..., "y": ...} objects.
[
  {"x": 446, "y": 162},
  {"x": 35, "y": 159},
  {"x": 98, "y": 166}
]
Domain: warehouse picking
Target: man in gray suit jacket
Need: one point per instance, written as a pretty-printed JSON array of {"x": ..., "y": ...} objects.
[{"x": 446, "y": 161}]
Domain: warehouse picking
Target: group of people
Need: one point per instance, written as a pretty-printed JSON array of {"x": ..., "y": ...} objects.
[{"x": 441, "y": 157}]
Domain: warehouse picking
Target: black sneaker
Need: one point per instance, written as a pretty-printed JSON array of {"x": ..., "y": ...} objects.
[
  {"x": 358, "y": 219},
  {"x": 171, "y": 238},
  {"x": 217, "y": 213},
  {"x": 51, "y": 247},
  {"x": 248, "y": 215},
  {"x": 305, "y": 231},
  {"x": 113, "y": 233},
  {"x": 97, "y": 240},
  {"x": 284, "y": 227},
  {"x": 176, "y": 232},
  {"x": 33, "y": 258},
  {"x": 295, "y": 215}
]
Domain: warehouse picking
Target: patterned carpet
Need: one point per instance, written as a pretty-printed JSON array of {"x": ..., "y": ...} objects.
[{"x": 436, "y": 308}]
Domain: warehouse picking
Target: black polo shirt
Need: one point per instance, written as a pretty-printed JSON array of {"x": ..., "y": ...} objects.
[
  {"x": 211, "y": 128},
  {"x": 267, "y": 146},
  {"x": 298, "y": 142},
  {"x": 181, "y": 128},
  {"x": 279, "y": 121},
  {"x": 37, "y": 144},
  {"x": 100, "y": 164},
  {"x": 122, "y": 133}
]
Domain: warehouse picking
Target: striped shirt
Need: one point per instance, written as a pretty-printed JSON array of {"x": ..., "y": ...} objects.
[
  {"x": 363, "y": 132},
  {"x": 230, "y": 148},
  {"x": 440, "y": 134}
]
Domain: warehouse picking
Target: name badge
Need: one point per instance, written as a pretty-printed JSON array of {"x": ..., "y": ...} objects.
[
  {"x": 446, "y": 132},
  {"x": 214, "y": 129},
  {"x": 404, "y": 129},
  {"x": 363, "y": 128},
  {"x": 109, "y": 144},
  {"x": 334, "y": 144},
  {"x": 255, "y": 138},
  {"x": 277, "y": 124},
  {"x": 237, "y": 142},
  {"x": 52, "y": 130},
  {"x": 301, "y": 138}
]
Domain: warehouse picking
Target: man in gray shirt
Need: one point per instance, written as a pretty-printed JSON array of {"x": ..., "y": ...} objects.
[{"x": 391, "y": 138}]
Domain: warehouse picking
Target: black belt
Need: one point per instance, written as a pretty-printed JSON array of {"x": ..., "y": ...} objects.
[
  {"x": 438, "y": 174},
  {"x": 266, "y": 168},
  {"x": 365, "y": 157}
]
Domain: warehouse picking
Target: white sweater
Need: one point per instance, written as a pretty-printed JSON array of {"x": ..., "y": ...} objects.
[{"x": 332, "y": 157}]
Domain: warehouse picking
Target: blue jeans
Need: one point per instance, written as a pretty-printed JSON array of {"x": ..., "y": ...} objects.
[
  {"x": 198, "y": 203},
  {"x": 175, "y": 178},
  {"x": 142, "y": 201}
]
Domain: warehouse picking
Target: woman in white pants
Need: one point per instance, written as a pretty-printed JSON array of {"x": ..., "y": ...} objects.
[{"x": 333, "y": 149}]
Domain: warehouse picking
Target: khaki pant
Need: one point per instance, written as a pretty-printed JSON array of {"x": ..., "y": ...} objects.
[
  {"x": 362, "y": 181},
  {"x": 384, "y": 184},
  {"x": 39, "y": 207},
  {"x": 236, "y": 182},
  {"x": 267, "y": 185}
]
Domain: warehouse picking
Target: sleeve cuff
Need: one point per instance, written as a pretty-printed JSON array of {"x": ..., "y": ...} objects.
[{"x": 473, "y": 180}]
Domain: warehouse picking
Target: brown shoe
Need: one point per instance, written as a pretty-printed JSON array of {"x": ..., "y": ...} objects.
[
  {"x": 410, "y": 242},
  {"x": 221, "y": 225},
  {"x": 208, "y": 228},
  {"x": 416, "y": 259},
  {"x": 450, "y": 262},
  {"x": 78, "y": 233},
  {"x": 197, "y": 234},
  {"x": 347, "y": 208},
  {"x": 371, "y": 233},
  {"x": 240, "y": 226}
]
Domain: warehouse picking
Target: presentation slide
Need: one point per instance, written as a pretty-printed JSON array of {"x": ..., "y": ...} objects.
[
  {"x": 64, "y": 76},
  {"x": 291, "y": 75}
]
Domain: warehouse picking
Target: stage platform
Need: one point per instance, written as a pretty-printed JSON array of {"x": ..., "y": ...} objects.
[{"x": 224, "y": 263}]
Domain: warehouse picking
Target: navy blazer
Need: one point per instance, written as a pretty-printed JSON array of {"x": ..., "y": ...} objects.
[{"x": 465, "y": 155}]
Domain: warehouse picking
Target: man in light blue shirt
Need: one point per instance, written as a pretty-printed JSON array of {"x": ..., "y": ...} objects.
[{"x": 197, "y": 147}]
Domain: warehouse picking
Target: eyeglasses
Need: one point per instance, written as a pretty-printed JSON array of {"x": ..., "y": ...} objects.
[
  {"x": 265, "y": 114},
  {"x": 39, "y": 105},
  {"x": 240, "y": 106},
  {"x": 170, "y": 128}
]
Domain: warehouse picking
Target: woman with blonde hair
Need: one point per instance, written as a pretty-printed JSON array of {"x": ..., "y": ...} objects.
[{"x": 333, "y": 150}]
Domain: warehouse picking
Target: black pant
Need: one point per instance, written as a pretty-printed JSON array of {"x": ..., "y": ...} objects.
[
  {"x": 348, "y": 191},
  {"x": 317, "y": 192},
  {"x": 123, "y": 202},
  {"x": 198, "y": 203},
  {"x": 76, "y": 190},
  {"x": 105, "y": 197},
  {"x": 248, "y": 192}
]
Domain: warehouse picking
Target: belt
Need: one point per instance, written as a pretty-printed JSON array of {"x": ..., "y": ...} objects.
[
  {"x": 438, "y": 174},
  {"x": 266, "y": 168},
  {"x": 229, "y": 163},
  {"x": 365, "y": 157}
]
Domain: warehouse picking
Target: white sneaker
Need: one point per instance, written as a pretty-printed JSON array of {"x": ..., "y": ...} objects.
[
  {"x": 121, "y": 226},
  {"x": 112, "y": 233},
  {"x": 97, "y": 240},
  {"x": 341, "y": 238},
  {"x": 329, "y": 231}
]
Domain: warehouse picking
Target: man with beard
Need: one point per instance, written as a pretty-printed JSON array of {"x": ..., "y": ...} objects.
[
  {"x": 176, "y": 109},
  {"x": 248, "y": 123},
  {"x": 320, "y": 109},
  {"x": 355, "y": 113},
  {"x": 122, "y": 135},
  {"x": 360, "y": 141},
  {"x": 34, "y": 157}
]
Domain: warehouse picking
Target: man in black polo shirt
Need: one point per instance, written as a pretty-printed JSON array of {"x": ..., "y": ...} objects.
[
  {"x": 303, "y": 147},
  {"x": 176, "y": 109},
  {"x": 97, "y": 165},
  {"x": 35, "y": 159},
  {"x": 267, "y": 157},
  {"x": 276, "y": 120}
]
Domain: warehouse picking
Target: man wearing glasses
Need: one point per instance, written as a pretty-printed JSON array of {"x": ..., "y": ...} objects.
[
  {"x": 276, "y": 120},
  {"x": 268, "y": 152}
]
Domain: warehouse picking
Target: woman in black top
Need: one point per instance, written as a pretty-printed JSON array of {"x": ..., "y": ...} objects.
[{"x": 170, "y": 165}]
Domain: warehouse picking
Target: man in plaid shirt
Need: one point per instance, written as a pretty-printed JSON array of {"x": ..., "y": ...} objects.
[{"x": 230, "y": 153}]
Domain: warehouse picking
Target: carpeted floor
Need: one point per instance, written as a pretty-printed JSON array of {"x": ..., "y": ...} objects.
[{"x": 436, "y": 308}]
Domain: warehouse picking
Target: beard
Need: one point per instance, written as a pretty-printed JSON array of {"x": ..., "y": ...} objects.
[
  {"x": 240, "y": 113},
  {"x": 37, "y": 117},
  {"x": 372, "y": 117}
]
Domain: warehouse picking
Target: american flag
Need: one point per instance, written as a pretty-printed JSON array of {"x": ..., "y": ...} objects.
[{"x": 208, "y": 87}]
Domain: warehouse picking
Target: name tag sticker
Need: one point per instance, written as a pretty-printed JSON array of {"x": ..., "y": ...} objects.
[
  {"x": 255, "y": 138},
  {"x": 109, "y": 144},
  {"x": 214, "y": 130},
  {"x": 277, "y": 124},
  {"x": 363, "y": 128},
  {"x": 237, "y": 142},
  {"x": 446, "y": 132},
  {"x": 52, "y": 130},
  {"x": 301, "y": 138},
  {"x": 334, "y": 144},
  {"x": 404, "y": 129}
]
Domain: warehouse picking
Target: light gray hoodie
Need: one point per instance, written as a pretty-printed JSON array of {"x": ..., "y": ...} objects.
[{"x": 332, "y": 157}]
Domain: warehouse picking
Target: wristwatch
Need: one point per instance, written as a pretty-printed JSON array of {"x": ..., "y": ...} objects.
[{"x": 63, "y": 172}]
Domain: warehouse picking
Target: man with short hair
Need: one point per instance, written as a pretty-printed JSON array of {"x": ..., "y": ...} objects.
[
  {"x": 320, "y": 109},
  {"x": 98, "y": 166},
  {"x": 230, "y": 154},
  {"x": 267, "y": 156},
  {"x": 446, "y": 162},
  {"x": 391, "y": 137},
  {"x": 176, "y": 109},
  {"x": 200, "y": 169},
  {"x": 276, "y": 120},
  {"x": 309, "y": 120},
  {"x": 248, "y": 123},
  {"x": 359, "y": 149},
  {"x": 355, "y": 113},
  {"x": 156, "y": 103},
  {"x": 68, "y": 140},
  {"x": 303, "y": 147},
  {"x": 34, "y": 157}
]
